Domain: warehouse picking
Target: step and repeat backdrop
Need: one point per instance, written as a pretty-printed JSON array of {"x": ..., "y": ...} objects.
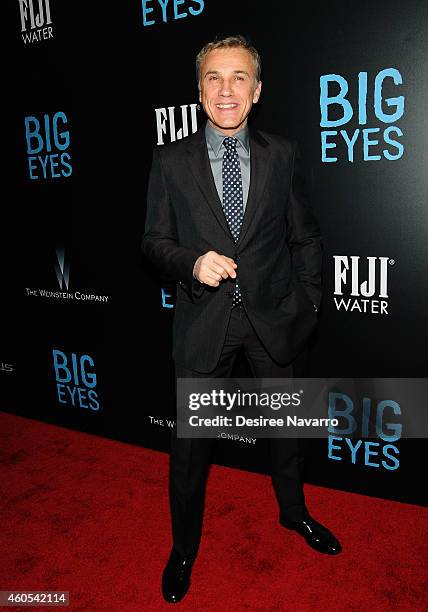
[{"x": 93, "y": 88}]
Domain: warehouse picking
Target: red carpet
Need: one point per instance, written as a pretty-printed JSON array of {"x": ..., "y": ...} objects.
[{"x": 90, "y": 515}]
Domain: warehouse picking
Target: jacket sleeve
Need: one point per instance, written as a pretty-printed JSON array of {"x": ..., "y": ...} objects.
[
  {"x": 304, "y": 237},
  {"x": 160, "y": 242}
]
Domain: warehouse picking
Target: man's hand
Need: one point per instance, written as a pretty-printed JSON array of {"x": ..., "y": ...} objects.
[{"x": 212, "y": 267}]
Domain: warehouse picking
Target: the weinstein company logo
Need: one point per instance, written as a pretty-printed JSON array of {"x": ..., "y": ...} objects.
[
  {"x": 175, "y": 124},
  {"x": 361, "y": 284},
  {"x": 36, "y": 20},
  {"x": 62, "y": 271}
]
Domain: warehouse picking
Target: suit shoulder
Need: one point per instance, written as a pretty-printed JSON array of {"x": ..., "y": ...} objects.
[
  {"x": 176, "y": 148},
  {"x": 278, "y": 140}
]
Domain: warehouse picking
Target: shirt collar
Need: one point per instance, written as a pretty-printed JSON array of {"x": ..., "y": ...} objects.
[{"x": 215, "y": 138}]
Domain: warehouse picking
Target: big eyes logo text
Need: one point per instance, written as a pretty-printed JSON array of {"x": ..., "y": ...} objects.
[
  {"x": 371, "y": 419},
  {"x": 369, "y": 143},
  {"x": 47, "y": 144},
  {"x": 76, "y": 380},
  {"x": 158, "y": 11}
]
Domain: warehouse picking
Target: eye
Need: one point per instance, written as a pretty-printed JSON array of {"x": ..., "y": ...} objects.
[{"x": 212, "y": 77}]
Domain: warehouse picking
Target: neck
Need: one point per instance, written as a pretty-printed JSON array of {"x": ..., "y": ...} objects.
[{"x": 228, "y": 131}]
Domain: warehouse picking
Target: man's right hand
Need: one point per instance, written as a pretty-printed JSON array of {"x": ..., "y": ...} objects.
[{"x": 212, "y": 267}]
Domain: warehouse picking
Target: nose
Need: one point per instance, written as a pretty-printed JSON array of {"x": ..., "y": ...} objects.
[{"x": 226, "y": 87}]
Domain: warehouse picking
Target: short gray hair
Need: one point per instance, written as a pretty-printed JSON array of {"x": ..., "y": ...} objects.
[{"x": 229, "y": 42}]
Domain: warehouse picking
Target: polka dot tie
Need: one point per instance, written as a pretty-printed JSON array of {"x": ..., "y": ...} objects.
[{"x": 233, "y": 200}]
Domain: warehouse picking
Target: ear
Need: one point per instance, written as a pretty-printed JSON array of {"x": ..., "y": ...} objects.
[{"x": 257, "y": 91}]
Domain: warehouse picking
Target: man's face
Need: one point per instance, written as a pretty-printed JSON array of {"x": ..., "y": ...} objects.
[{"x": 228, "y": 88}]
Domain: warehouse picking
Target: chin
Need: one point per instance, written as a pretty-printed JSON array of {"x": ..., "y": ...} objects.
[{"x": 227, "y": 125}]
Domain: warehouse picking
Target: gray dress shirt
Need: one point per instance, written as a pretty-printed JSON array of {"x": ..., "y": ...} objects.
[{"x": 216, "y": 151}]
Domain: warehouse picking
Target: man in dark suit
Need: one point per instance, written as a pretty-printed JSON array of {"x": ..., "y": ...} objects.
[{"x": 228, "y": 218}]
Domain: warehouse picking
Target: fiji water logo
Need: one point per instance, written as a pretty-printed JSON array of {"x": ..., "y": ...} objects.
[
  {"x": 173, "y": 124},
  {"x": 36, "y": 20},
  {"x": 361, "y": 284}
]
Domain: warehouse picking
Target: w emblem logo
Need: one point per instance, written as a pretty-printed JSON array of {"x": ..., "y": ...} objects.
[{"x": 62, "y": 269}]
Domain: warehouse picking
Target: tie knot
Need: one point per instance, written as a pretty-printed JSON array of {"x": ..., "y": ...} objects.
[{"x": 230, "y": 143}]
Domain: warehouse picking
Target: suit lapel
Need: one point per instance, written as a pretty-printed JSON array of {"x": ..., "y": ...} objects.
[
  {"x": 201, "y": 169},
  {"x": 260, "y": 167}
]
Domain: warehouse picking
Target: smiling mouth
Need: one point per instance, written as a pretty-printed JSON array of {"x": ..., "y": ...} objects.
[{"x": 227, "y": 106}]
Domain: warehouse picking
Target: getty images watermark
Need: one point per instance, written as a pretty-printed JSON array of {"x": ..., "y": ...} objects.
[{"x": 392, "y": 408}]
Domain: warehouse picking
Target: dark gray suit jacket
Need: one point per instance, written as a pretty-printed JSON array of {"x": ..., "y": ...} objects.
[{"x": 279, "y": 251}]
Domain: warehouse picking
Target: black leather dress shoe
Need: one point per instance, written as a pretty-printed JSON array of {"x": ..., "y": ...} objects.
[
  {"x": 176, "y": 576},
  {"x": 315, "y": 534}
]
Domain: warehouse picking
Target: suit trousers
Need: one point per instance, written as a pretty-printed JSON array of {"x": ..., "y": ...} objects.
[{"x": 190, "y": 458}]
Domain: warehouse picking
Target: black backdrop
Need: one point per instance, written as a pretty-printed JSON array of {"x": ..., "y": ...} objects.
[{"x": 113, "y": 78}]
